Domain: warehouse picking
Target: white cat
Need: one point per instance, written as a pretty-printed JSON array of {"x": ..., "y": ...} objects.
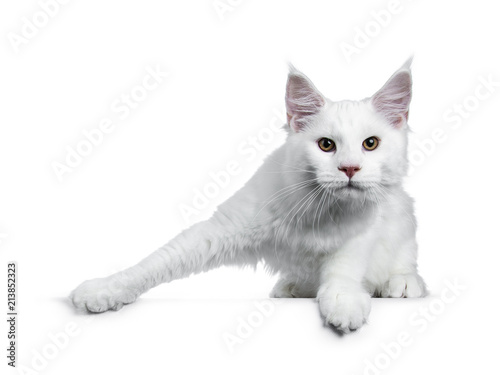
[{"x": 327, "y": 210}]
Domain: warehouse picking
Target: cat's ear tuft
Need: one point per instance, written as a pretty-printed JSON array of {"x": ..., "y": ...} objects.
[
  {"x": 302, "y": 99},
  {"x": 393, "y": 99}
]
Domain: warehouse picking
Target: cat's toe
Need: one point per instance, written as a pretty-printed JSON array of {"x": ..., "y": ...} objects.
[
  {"x": 345, "y": 311},
  {"x": 281, "y": 293},
  {"x": 99, "y": 295},
  {"x": 402, "y": 286},
  {"x": 282, "y": 289}
]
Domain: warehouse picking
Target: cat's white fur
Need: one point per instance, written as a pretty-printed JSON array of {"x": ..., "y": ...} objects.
[{"x": 340, "y": 244}]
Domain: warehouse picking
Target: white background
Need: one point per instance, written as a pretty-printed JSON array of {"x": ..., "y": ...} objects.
[{"x": 226, "y": 81}]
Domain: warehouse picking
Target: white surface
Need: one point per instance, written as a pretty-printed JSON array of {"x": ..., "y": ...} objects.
[{"x": 226, "y": 80}]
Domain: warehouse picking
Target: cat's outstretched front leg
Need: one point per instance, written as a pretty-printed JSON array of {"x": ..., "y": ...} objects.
[
  {"x": 343, "y": 301},
  {"x": 203, "y": 246}
]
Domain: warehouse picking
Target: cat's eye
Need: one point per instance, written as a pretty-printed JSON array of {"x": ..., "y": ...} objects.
[
  {"x": 371, "y": 143},
  {"x": 326, "y": 144}
]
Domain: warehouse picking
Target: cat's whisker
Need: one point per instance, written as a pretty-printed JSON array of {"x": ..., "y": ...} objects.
[
  {"x": 321, "y": 205},
  {"x": 292, "y": 167},
  {"x": 310, "y": 200},
  {"x": 314, "y": 221},
  {"x": 283, "y": 171},
  {"x": 283, "y": 221},
  {"x": 285, "y": 192},
  {"x": 330, "y": 204},
  {"x": 312, "y": 180},
  {"x": 306, "y": 210},
  {"x": 310, "y": 197}
]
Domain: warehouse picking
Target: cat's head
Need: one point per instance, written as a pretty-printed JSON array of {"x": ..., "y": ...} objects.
[{"x": 355, "y": 148}]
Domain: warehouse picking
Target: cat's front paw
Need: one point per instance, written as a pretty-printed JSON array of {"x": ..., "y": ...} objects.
[
  {"x": 345, "y": 311},
  {"x": 405, "y": 285},
  {"x": 99, "y": 295}
]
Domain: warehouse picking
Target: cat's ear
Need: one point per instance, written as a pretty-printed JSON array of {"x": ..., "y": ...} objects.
[
  {"x": 302, "y": 99},
  {"x": 393, "y": 99}
]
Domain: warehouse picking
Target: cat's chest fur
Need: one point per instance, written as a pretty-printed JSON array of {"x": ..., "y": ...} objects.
[
  {"x": 322, "y": 231},
  {"x": 299, "y": 247}
]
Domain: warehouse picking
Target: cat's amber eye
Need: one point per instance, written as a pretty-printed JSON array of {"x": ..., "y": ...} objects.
[
  {"x": 371, "y": 143},
  {"x": 326, "y": 144}
]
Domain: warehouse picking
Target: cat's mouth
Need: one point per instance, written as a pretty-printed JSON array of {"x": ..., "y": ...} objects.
[
  {"x": 349, "y": 189},
  {"x": 346, "y": 190},
  {"x": 350, "y": 185}
]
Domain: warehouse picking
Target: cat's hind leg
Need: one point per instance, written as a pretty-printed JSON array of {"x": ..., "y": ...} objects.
[{"x": 288, "y": 287}]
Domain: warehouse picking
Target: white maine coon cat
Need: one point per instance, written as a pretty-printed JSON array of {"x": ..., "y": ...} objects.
[{"x": 327, "y": 210}]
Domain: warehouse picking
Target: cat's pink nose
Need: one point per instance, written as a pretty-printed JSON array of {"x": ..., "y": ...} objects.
[{"x": 349, "y": 170}]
